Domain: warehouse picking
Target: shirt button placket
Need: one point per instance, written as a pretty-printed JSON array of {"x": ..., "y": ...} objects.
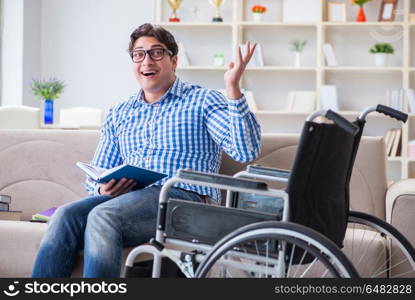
[{"x": 151, "y": 139}]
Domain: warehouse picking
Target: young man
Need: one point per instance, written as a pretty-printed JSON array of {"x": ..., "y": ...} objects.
[{"x": 169, "y": 125}]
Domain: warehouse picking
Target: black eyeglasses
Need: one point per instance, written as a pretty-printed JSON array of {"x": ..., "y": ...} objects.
[{"x": 139, "y": 55}]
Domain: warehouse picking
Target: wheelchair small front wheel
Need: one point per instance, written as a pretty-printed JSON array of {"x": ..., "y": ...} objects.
[{"x": 272, "y": 249}]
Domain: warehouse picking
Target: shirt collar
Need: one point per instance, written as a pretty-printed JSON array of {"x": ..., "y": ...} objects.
[{"x": 176, "y": 89}]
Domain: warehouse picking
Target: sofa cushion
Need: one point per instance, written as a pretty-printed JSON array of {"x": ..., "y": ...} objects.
[
  {"x": 38, "y": 167},
  {"x": 19, "y": 244}
]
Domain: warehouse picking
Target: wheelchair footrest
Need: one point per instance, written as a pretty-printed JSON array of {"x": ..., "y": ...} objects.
[{"x": 197, "y": 222}]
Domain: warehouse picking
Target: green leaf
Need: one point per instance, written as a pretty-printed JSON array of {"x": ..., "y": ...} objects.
[
  {"x": 382, "y": 48},
  {"x": 48, "y": 89}
]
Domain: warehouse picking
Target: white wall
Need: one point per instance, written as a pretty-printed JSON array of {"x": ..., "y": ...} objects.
[
  {"x": 12, "y": 52},
  {"x": 31, "y": 50},
  {"x": 84, "y": 43}
]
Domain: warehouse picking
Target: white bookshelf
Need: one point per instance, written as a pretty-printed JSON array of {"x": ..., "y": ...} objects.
[{"x": 359, "y": 83}]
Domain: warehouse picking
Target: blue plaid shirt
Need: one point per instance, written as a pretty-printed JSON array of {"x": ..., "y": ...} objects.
[{"x": 187, "y": 129}]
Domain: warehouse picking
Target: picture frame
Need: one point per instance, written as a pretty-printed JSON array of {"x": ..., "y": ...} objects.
[
  {"x": 336, "y": 11},
  {"x": 387, "y": 11}
]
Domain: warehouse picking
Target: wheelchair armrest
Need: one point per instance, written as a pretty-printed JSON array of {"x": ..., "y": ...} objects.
[
  {"x": 221, "y": 179},
  {"x": 260, "y": 170}
]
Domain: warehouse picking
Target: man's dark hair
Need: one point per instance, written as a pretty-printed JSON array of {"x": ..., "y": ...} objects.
[{"x": 157, "y": 32}]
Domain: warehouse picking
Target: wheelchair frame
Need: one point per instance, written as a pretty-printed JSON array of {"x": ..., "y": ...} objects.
[
  {"x": 193, "y": 250},
  {"x": 387, "y": 231},
  {"x": 157, "y": 251},
  {"x": 185, "y": 260},
  {"x": 231, "y": 184}
]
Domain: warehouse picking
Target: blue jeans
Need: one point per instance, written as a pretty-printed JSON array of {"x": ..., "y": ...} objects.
[{"x": 102, "y": 226}]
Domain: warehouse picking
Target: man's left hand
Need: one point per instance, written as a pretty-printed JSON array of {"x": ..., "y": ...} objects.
[{"x": 235, "y": 70}]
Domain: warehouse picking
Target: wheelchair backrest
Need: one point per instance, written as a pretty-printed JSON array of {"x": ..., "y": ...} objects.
[{"x": 318, "y": 186}]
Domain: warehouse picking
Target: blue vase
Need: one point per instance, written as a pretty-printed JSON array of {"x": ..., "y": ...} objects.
[{"x": 48, "y": 111}]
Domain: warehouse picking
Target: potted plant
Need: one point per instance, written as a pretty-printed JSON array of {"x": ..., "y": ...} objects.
[
  {"x": 298, "y": 47},
  {"x": 257, "y": 12},
  {"x": 218, "y": 60},
  {"x": 361, "y": 17},
  {"x": 382, "y": 52},
  {"x": 48, "y": 90}
]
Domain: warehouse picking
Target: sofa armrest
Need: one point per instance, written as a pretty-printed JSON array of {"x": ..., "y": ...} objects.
[
  {"x": 400, "y": 207},
  {"x": 19, "y": 244}
]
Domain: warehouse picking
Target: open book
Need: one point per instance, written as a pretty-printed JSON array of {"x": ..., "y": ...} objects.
[{"x": 143, "y": 177}]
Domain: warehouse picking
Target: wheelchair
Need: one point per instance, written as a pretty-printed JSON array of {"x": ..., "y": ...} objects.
[{"x": 269, "y": 233}]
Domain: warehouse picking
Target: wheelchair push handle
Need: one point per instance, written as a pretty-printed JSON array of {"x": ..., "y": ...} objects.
[
  {"x": 393, "y": 113},
  {"x": 383, "y": 109},
  {"x": 337, "y": 119},
  {"x": 342, "y": 122}
]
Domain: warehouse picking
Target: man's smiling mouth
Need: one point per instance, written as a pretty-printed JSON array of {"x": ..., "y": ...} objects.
[{"x": 149, "y": 73}]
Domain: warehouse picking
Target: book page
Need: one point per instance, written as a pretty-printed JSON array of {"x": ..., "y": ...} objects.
[{"x": 91, "y": 171}]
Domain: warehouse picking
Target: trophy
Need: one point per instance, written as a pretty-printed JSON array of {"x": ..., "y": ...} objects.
[
  {"x": 174, "y": 4},
  {"x": 217, "y": 4}
]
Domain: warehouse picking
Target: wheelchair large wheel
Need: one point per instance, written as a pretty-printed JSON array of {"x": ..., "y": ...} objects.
[
  {"x": 377, "y": 249},
  {"x": 273, "y": 249}
]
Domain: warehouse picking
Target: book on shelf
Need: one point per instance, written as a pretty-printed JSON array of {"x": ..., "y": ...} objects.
[
  {"x": 143, "y": 177},
  {"x": 10, "y": 215},
  {"x": 411, "y": 100},
  {"x": 329, "y": 55},
  {"x": 393, "y": 142},
  {"x": 301, "y": 101},
  {"x": 4, "y": 206},
  {"x": 257, "y": 59},
  {"x": 389, "y": 138},
  {"x": 249, "y": 96},
  {"x": 394, "y": 99},
  {"x": 328, "y": 97},
  {"x": 396, "y": 143},
  {"x": 5, "y": 198},
  {"x": 183, "y": 59},
  {"x": 411, "y": 149},
  {"x": 44, "y": 215},
  {"x": 5, "y": 202}
]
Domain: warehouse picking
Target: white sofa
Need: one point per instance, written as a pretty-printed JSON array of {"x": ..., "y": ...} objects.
[
  {"x": 19, "y": 117},
  {"x": 38, "y": 170}
]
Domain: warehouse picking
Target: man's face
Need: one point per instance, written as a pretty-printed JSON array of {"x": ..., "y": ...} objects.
[{"x": 154, "y": 75}]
